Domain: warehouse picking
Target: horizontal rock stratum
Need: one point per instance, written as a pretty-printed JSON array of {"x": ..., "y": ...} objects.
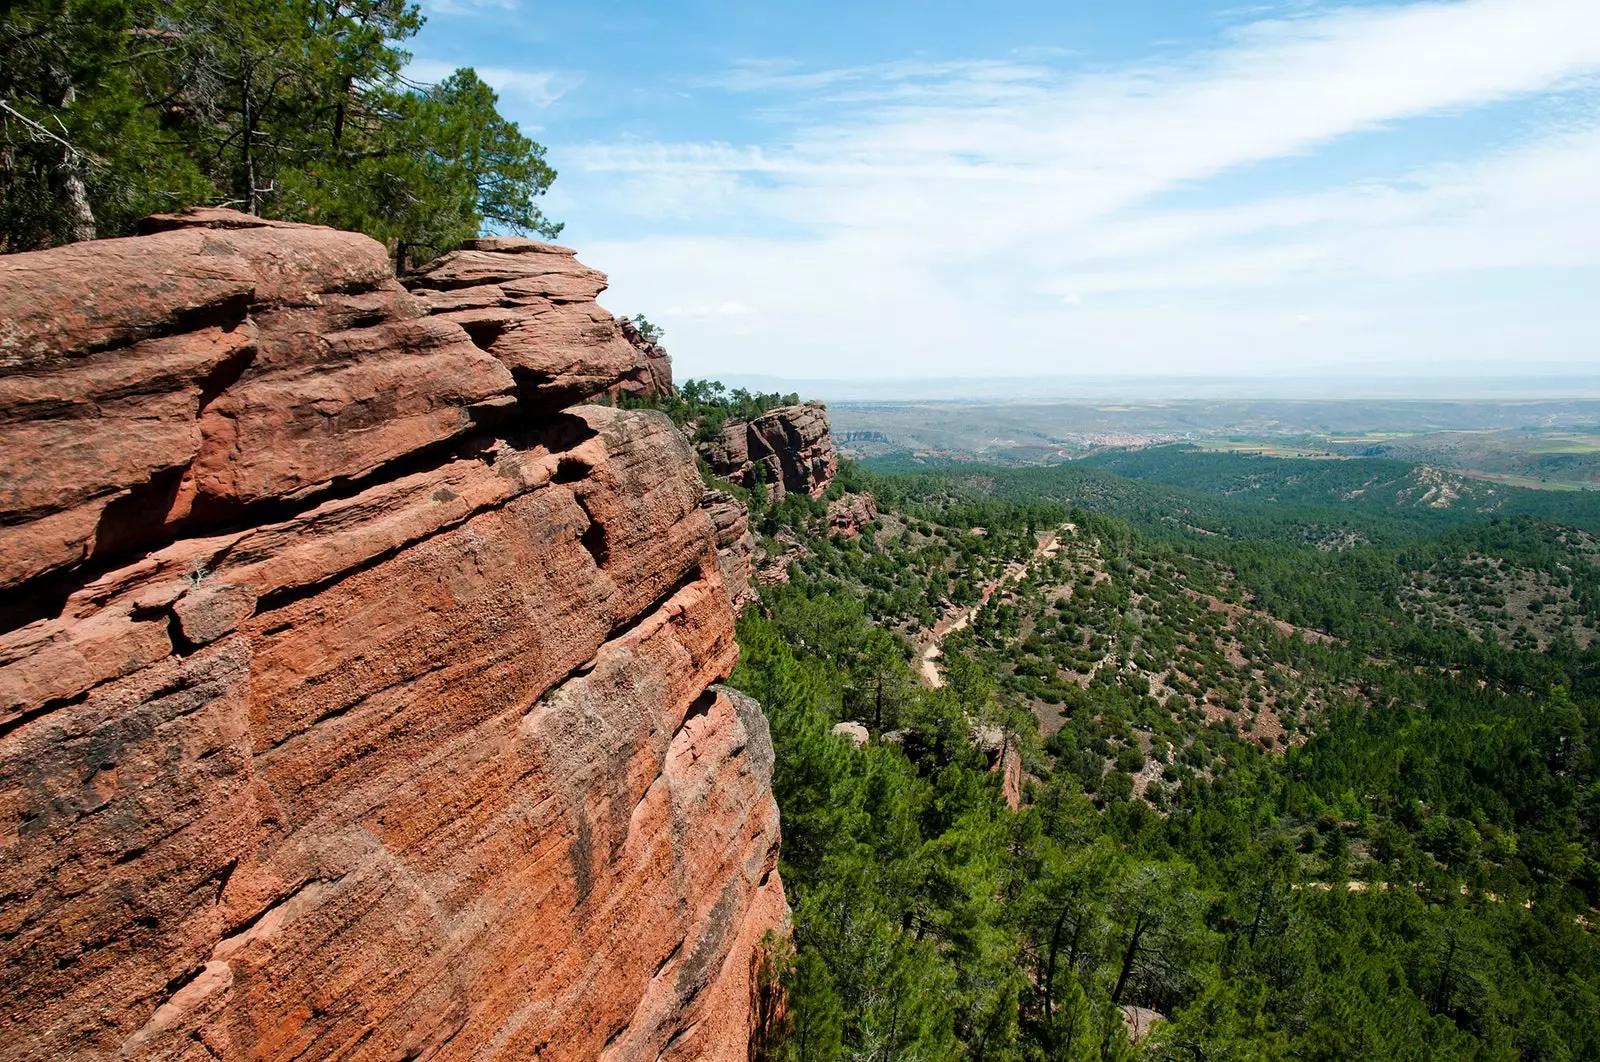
[{"x": 358, "y": 692}]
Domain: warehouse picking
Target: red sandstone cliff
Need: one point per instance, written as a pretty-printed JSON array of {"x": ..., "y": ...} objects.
[
  {"x": 357, "y": 697},
  {"x": 790, "y": 445},
  {"x": 791, "y": 451}
]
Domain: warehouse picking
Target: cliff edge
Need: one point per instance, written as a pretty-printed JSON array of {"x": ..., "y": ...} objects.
[{"x": 358, "y": 692}]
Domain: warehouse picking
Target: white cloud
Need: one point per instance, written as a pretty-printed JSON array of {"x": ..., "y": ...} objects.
[
  {"x": 726, "y": 309},
  {"x": 991, "y": 216},
  {"x": 538, "y": 87},
  {"x": 461, "y": 7}
]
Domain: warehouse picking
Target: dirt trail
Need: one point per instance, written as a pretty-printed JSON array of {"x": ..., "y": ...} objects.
[{"x": 928, "y": 649}]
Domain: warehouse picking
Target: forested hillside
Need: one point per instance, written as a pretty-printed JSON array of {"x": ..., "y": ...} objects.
[
  {"x": 1304, "y": 779},
  {"x": 1420, "y": 494}
]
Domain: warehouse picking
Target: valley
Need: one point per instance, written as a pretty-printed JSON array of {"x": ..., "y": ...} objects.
[
  {"x": 1248, "y": 695},
  {"x": 1534, "y": 443}
]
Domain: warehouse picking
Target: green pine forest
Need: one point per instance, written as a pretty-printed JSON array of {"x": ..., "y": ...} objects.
[
  {"x": 298, "y": 109},
  {"x": 1307, "y": 775}
]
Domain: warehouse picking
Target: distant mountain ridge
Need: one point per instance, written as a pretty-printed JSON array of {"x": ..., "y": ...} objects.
[{"x": 1527, "y": 384}]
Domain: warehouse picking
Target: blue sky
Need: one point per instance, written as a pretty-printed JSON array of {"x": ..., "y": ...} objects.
[{"x": 933, "y": 189}]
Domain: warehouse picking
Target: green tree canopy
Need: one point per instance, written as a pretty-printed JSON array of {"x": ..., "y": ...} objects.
[{"x": 110, "y": 109}]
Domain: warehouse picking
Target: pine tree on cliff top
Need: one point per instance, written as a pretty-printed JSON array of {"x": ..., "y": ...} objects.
[{"x": 299, "y": 109}]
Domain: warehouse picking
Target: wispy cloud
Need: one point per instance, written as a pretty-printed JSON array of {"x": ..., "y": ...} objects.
[
  {"x": 910, "y": 214},
  {"x": 462, "y": 7},
  {"x": 538, "y": 87}
]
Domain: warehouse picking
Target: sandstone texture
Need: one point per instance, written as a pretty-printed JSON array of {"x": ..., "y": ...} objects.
[
  {"x": 736, "y": 545},
  {"x": 359, "y": 698},
  {"x": 531, "y": 305},
  {"x": 789, "y": 449}
]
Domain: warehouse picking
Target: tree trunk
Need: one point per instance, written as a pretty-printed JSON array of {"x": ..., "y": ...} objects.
[
  {"x": 247, "y": 148},
  {"x": 74, "y": 192},
  {"x": 1050, "y": 967},
  {"x": 1441, "y": 992},
  {"x": 1127, "y": 959},
  {"x": 339, "y": 111},
  {"x": 80, "y": 215},
  {"x": 1072, "y": 948},
  {"x": 1261, "y": 903},
  {"x": 894, "y": 1027}
]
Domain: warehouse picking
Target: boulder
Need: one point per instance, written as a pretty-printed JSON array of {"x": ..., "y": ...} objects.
[{"x": 855, "y": 733}]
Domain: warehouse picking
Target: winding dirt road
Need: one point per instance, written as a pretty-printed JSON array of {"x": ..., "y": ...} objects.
[{"x": 928, "y": 649}]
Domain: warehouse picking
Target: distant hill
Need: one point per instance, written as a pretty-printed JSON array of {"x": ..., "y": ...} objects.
[
  {"x": 1381, "y": 486},
  {"x": 1332, "y": 504}
]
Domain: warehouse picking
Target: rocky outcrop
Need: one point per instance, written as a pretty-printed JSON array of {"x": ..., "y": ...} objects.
[
  {"x": 772, "y": 569},
  {"x": 789, "y": 449},
  {"x": 1005, "y": 759},
  {"x": 652, "y": 373},
  {"x": 531, "y": 306},
  {"x": 848, "y": 514},
  {"x": 357, "y": 699},
  {"x": 857, "y": 733}
]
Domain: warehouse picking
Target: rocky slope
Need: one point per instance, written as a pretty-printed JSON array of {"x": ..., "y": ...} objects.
[
  {"x": 788, "y": 448},
  {"x": 848, "y": 514},
  {"x": 358, "y": 693}
]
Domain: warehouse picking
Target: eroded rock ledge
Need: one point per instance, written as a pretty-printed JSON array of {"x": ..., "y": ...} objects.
[
  {"x": 357, "y": 697},
  {"x": 788, "y": 449}
]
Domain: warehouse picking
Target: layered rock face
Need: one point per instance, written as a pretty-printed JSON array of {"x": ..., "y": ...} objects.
[
  {"x": 358, "y": 699},
  {"x": 788, "y": 448},
  {"x": 736, "y": 545}
]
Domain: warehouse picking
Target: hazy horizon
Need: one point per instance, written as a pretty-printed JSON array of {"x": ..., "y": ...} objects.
[{"x": 1508, "y": 387}]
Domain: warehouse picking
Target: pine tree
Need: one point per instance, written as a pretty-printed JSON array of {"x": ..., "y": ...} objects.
[{"x": 298, "y": 109}]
